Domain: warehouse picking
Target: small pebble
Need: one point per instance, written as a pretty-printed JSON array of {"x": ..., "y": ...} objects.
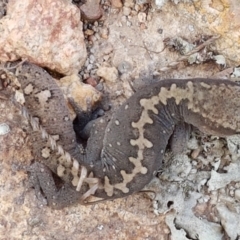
[
  {"x": 92, "y": 38},
  {"x": 119, "y": 24},
  {"x": 124, "y": 67},
  {"x": 142, "y": 17},
  {"x": 91, "y": 81},
  {"x": 91, "y": 58},
  {"x": 106, "y": 48},
  {"x": 97, "y": 36},
  {"x": 86, "y": 63},
  {"x": 104, "y": 33},
  {"x": 149, "y": 17},
  {"x": 4, "y": 129},
  {"x": 108, "y": 73},
  {"x": 106, "y": 57},
  {"x": 99, "y": 87},
  {"x": 237, "y": 194},
  {"x": 195, "y": 153},
  {"x": 137, "y": 7},
  {"x": 95, "y": 29},
  {"x": 231, "y": 193},
  {"x": 191, "y": 28},
  {"x": 124, "y": 19},
  {"x": 126, "y": 11},
  {"x": 91, "y": 10},
  {"x": 143, "y": 26},
  {"x": 141, "y": 2},
  {"x": 237, "y": 185},
  {"x": 129, "y": 3},
  {"x": 133, "y": 13},
  {"x": 92, "y": 50},
  {"x": 93, "y": 72},
  {"x": 86, "y": 75},
  {"x": 89, "y": 67},
  {"x": 89, "y": 32},
  {"x": 117, "y": 3},
  {"x": 129, "y": 24}
]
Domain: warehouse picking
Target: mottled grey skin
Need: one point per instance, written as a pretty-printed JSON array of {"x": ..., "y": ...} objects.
[
  {"x": 51, "y": 110},
  {"x": 214, "y": 108},
  {"x": 126, "y": 152}
]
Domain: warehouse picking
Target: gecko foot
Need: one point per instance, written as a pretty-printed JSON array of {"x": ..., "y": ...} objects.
[{"x": 42, "y": 179}]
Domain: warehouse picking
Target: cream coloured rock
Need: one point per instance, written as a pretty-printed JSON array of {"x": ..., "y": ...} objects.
[
  {"x": 110, "y": 74},
  {"x": 83, "y": 94},
  {"x": 45, "y": 32}
]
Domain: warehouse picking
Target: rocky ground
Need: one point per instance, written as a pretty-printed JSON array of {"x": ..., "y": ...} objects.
[{"x": 116, "y": 47}]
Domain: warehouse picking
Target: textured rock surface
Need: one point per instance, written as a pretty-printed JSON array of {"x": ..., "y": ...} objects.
[
  {"x": 135, "y": 47},
  {"x": 83, "y": 94},
  {"x": 48, "y": 33}
]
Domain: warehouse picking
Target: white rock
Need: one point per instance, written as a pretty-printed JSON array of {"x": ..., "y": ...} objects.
[
  {"x": 220, "y": 180},
  {"x": 237, "y": 194},
  {"x": 160, "y": 3},
  {"x": 230, "y": 221},
  {"x": 4, "y": 129}
]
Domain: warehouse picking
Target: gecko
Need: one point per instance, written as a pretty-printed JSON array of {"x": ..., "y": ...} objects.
[{"x": 123, "y": 153}]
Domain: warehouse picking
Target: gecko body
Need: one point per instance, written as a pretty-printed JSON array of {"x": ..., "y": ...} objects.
[
  {"x": 135, "y": 139},
  {"x": 125, "y": 153}
]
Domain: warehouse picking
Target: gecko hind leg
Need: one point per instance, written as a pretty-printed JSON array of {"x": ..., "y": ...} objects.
[
  {"x": 42, "y": 180},
  {"x": 180, "y": 137}
]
